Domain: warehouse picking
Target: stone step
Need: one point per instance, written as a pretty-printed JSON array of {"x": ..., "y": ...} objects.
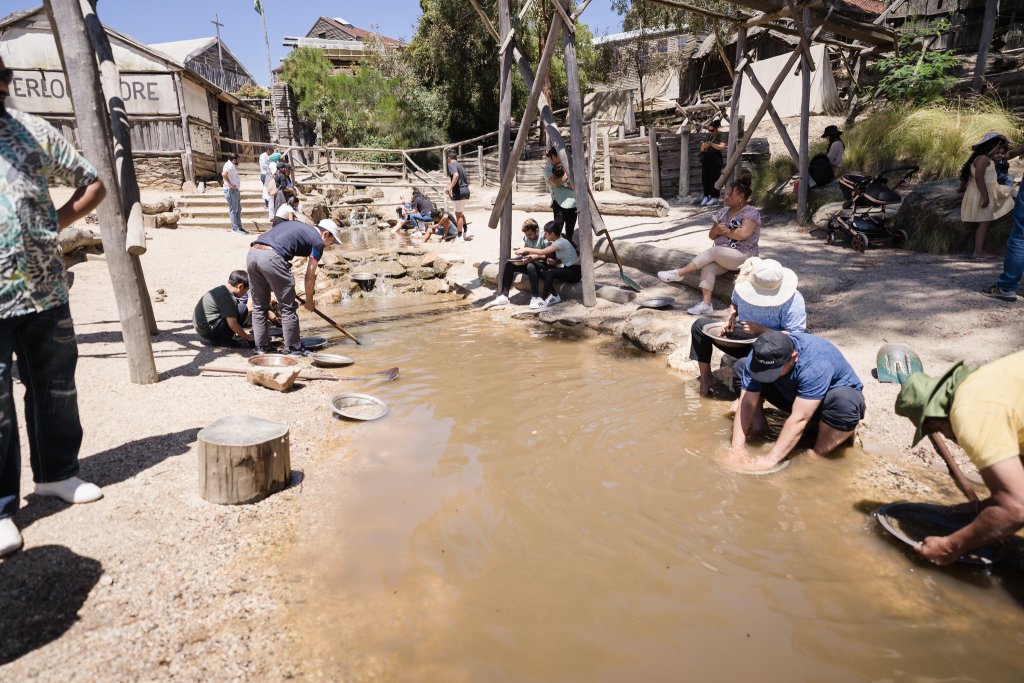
[
  {"x": 246, "y": 203},
  {"x": 221, "y": 223},
  {"x": 218, "y": 197},
  {"x": 213, "y": 212}
]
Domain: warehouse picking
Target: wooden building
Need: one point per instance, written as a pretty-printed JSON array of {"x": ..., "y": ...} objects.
[
  {"x": 965, "y": 18},
  {"x": 177, "y": 117},
  {"x": 342, "y": 43},
  {"x": 211, "y": 59}
]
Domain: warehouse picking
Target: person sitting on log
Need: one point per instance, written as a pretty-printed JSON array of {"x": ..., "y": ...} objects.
[
  {"x": 444, "y": 225},
  {"x": 415, "y": 213},
  {"x": 222, "y": 312},
  {"x": 735, "y": 231},
  {"x": 983, "y": 411},
  {"x": 562, "y": 261},
  {"x": 532, "y": 266},
  {"x": 805, "y": 376},
  {"x": 288, "y": 211},
  {"x": 765, "y": 298},
  {"x": 269, "y": 265}
]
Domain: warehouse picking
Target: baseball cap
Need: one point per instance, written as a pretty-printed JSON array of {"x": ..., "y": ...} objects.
[
  {"x": 772, "y": 350},
  {"x": 331, "y": 227}
]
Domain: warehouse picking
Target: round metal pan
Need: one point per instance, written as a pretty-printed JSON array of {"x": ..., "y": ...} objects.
[
  {"x": 358, "y": 406},
  {"x": 273, "y": 360},
  {"x": 330, "y": 360},
  {"x": 312, "y": 343},
  {"x": 657, "y": 302},
  {"x": 913, "y": 522},
  {"x": 714, "y": 330}
]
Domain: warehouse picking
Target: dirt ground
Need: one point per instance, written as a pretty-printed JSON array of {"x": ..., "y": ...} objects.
[{"x": 153, "y": 583}]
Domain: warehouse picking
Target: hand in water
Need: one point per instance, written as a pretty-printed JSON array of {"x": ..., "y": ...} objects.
[{"x": 937, "y": 550}]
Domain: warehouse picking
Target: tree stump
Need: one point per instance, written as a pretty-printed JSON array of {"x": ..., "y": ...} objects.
[{"x": 243, "y": 459}]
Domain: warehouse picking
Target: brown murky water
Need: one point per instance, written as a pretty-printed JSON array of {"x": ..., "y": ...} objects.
[{"x": 541, "y": 508}]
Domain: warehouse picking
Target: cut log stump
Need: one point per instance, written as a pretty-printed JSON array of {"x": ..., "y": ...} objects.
[{"x": 243, "y": 459}]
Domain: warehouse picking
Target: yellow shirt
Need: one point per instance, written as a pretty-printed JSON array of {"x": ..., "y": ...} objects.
[{"x": 988, "y": 411}]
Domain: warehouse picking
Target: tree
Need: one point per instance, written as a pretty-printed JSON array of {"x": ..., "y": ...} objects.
[
  {"x": 640, "y": 54},
  {"x": 917, "y": 76}
]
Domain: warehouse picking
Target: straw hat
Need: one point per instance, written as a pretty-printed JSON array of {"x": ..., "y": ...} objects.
[{"x": 765, "y": 282}]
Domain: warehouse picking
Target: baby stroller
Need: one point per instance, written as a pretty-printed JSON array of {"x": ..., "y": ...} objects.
[{"x": 863, "y": 218}]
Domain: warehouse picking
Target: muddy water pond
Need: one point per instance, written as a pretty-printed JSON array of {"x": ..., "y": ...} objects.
[{"x": 542, "y": 507}]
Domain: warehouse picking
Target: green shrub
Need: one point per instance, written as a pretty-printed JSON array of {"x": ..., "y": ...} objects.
[
  {"x": 770, "y": 185},
  {"x": 936, "y": 137}
]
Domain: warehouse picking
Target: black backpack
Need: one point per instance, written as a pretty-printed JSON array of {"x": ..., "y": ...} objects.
[{"x": 820, "y": 170}]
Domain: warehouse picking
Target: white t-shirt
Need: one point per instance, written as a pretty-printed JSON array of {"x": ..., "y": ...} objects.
[
  {"x": 285, "y": 211},
  {"x": 232, "y": 172},
  {"x": 264, "y": 164},
  {"x": 835, "y": 153}
]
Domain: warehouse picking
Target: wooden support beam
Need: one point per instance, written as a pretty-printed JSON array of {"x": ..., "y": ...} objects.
[
  {"x": 684, "y": 161},
  {"x": 480, "y": 165},
  {"x": 83, "y": 82},
  {"x": 765, "y": 17},
  {"x": 737, "y": 84},
  {"x": 591, "y": 151},
  {"x": 504, "y": 206},
  {"x": 566, "y": 19},
  {"x": 580, "y": 183},
  {"x": 606, "y": 160},
  {"x": 802, "y": 32},
  {"x": 487, "y": 22},
  {"x": 524, "y": 125},
  {"x": 579, "y": 10},
  {"x": 187, "y": 169},
  {"x": 524, "y": 10},
  {"x": 652, "y": 147},
  {"x": 988, "y": 27},
  {"x": 776, "y": 119},
  {"x": 805, "y": 106}
]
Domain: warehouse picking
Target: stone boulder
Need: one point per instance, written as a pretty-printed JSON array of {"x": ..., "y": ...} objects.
[
  {"x": 279, "y": 379},
  {"x": 421, "y": 273},
  {"x": 163, "y": 206},
  {"x": 167, "y": 219},
  {"x": 658, "y": 331}
]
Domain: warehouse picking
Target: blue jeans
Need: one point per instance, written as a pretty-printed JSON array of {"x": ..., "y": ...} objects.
[
  {"x": 1013, "y": 264},
  {"x": 234, "y": 198},
  {"x": 47, "y": 355}
]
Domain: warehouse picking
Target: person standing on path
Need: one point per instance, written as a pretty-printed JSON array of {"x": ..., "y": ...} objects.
[
  {"x": 1006, "y": 286},
  {"x": 35, "y": 320},
  {"x": 458, "y": 190},
  {"x": 233, "y": 193},
  {"x": 269, "y": 265},
  {"x": 265, "y": 167},
  {"x": 711, "y": 163},
  {"x": 563, "y": 197}
]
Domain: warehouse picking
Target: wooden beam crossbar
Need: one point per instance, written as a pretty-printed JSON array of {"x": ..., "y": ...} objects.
[
  {"x": 566, "y": 19},
  {"x": 487, "y": 22}
]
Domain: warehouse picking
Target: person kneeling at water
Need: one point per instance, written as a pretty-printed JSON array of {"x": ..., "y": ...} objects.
[
  {"x": 562, "y": 260},
  {"x": 765, "y": 298},
  {"x": 983, "y": 411},
  {"x": 269, "y": 264},
  {"x": 221, "y": 314},
  {"x": 805, "y": 376},
  {"x": 444, "y": 226},
  {"x": 531, "y": 265}
]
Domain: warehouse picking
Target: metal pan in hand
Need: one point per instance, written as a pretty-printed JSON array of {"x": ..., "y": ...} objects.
[
  {"x": 517, "y": 260},
  {"x": 657, "y": 302},
  {"x": 330, "y": 360},
  {"x": 358, "y": 406},
  {"x": 312, "y": 343},
  {"x": 733, "y": 340},
  {"x": 913, "y": 522}
]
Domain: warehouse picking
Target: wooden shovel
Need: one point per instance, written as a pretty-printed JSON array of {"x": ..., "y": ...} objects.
[
  {"x": 389, "y": 375},
  {"x": 332, "y": 322}
]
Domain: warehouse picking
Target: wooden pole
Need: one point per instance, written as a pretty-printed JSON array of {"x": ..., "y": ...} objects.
[
  {"x": 187, "y": 169},
  {"x": 737, "y": 83},
  {"x": 480, "y": 164},
  {"x": 580, "y": 183},
  {"x": 505, "y": 159},
  {"x": 805, "y": 106},
  {"x": 83, "y": 81},
  {"x": 524, "y": 125},
  {"x": 779, "y": 125},
  {"x": 684, "y": 161},
  {"x": 988, "y": 28},
  {"x": 606, "y": 160},
  {"x": 652, "y": 150},
  {"x": 591, "y": 152}
]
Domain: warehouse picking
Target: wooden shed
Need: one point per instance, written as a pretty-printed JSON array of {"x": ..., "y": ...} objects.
[{"x": 177, "y": 117}]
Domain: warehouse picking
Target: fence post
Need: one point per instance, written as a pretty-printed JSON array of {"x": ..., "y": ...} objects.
[
  {"x": 652, "y": 141},
  {"x": 622, "y": 132},
  {"x": 480, "y": 163},
  {"x": 607, "y": 161},
  {"x": 684, "y": 161},
  {"x": 591, "y": 153}
]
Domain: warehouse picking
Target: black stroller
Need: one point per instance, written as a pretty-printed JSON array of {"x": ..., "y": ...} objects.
[{"x": 863, "y": 218}]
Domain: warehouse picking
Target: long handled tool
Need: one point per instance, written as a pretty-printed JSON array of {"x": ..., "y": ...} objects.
[
  {"x": 332, "y": 322},
  {"x": 600, "y": 229},
  {"x": 389, "y": 375}
]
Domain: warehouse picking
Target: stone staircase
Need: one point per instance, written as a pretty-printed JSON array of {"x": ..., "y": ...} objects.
[{"x": 210, "y": 210}]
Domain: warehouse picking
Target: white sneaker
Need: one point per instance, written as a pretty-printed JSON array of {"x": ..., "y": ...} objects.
[
  {"x": 500, "y": 300},
  {"x": 552, "y": 300},
  {"x": 701, "y": 309},
  {"x": 71, "y": 490},
  {"x": 669, "y": 276},
  {"x": 460, "y": 238},
  {"x": 704, "y": 201},
  {"x": 10, "y": 537},
  {"x": 713, "y": 201},
  {"x": 536, "y": 302}
]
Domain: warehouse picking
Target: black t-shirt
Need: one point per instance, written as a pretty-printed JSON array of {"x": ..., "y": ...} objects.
[
  {"x": 293, "y": 238},
  {"x": 422, "y": 205},
  {"x": 718, "y": 138},
  {"x": 461, "y": 190}
]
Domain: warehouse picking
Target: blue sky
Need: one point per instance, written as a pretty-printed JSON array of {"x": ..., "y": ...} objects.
[{"x": 159, "y": 21}]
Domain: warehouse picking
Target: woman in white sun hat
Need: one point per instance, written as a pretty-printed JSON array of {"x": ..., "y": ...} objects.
[{"x": 765, "y": 298}]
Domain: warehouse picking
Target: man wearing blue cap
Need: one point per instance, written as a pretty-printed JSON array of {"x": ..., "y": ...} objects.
[{"x": 805, "y": 376}]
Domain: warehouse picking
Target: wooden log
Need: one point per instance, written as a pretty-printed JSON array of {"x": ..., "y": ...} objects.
[
  {"x": 684, "y": 162},
  {"x": 641, "y": 206},
  {"x": 83, "y": 81},
  {"x": 737, "y": 84},
  {"x": 243, "y": 459},
  {"x": 805, "y": 106},
  {"x": 651, "y": 259},
  {"x": 505, "y": 158}
]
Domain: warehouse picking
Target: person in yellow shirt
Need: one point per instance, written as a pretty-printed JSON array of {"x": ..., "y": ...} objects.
[{"x": 983, "y": 411}]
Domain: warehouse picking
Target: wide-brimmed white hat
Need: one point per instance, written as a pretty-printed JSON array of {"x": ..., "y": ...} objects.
[
  {"x": 988, "y": 136},
  {"x": 765, "y": 282},
  {"x": 331, "y": 227}
]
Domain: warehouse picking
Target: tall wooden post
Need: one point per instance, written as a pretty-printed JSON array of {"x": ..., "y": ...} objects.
[
  {"x": 504, "y": 130},
  {"x": 480, "y": 165},
  {"x": 805, "y": 106},
  {"x": 188, "y": 171},
  {"x": 83, "y": 83},
  {"x": 988, "y": 28},
  {"x": 579, "y": 172},
  {"x": 652, "y": 147},
  {"x": 606, "y": 160},
  {"x": 737, "y": 83},
  {"x": 684, "y": 160}
]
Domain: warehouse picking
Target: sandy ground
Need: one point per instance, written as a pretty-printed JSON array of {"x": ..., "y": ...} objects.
[{"x": 154, "y": 583}]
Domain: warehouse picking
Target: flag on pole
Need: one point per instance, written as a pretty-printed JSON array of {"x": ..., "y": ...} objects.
[{"x": 256, "y": 5}]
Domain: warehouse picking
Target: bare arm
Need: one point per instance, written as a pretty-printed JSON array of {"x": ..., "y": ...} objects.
[
  {"x": 743, "y": 232},
  {"x": 84, "y": 200},
  {"x": 236, "y": 327},
  {"x": 1015, "y": 152},
  {"x": 743, "y": 420},
  {"x": 980, "y": 164},
  {"x": 793, "y": 428},
  {"x": 546, "y": 251},
  {"x": 310, "y": 283}
]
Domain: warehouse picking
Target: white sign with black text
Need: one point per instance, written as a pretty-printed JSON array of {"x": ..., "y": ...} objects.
[{"x": 46, "y": 92}]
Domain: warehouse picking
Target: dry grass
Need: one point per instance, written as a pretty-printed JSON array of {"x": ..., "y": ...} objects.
[{"x": 936, "y": 137}]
